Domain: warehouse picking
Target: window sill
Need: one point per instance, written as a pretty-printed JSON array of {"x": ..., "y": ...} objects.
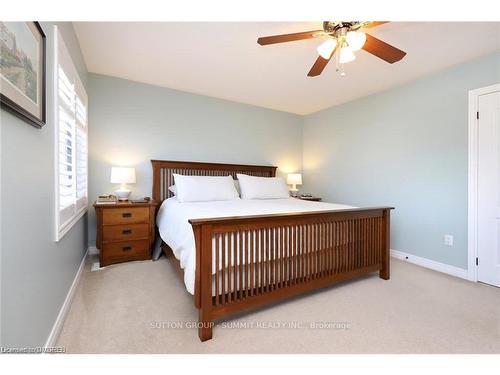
[{"x": 62, "y": 231}]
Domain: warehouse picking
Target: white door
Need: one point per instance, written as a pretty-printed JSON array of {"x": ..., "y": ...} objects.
[{"x": 489, "y": 189}]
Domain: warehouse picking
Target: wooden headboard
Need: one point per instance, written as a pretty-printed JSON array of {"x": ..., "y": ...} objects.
[{"x": 163, "y": 170}]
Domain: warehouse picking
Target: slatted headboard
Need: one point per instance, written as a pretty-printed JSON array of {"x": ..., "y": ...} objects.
[{"x": 163, "y": 170}]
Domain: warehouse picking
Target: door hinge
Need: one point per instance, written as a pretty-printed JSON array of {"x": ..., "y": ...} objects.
[
  {"x": 477, "y": 261},
  {"x": 477, "y": 115}
]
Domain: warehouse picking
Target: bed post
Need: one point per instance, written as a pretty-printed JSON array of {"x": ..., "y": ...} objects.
[
  {"x": 205, "y": 322},
  {"x": 156, "y": 181},
  {"x": 386, "y": 249},
  {"x": 197, "y": 277}
]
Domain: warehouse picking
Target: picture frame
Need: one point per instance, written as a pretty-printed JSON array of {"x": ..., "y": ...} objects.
[{"x": 23, "y": 71}]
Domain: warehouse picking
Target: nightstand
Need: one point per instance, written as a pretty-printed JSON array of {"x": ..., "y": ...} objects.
[{"x": 125, "y": 231}]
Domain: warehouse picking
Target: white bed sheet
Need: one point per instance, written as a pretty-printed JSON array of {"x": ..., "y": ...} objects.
[{"x": 173, "y": 222}]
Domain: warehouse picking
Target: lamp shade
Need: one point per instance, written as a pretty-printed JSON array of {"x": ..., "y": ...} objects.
[
  {"x": 326, "y": 49},
  {"x": 121, "y": 175},
  {"x": 346, "y": 55},
  {"x": 356, "y": 40},
  {"x": 294, "y": 179}
]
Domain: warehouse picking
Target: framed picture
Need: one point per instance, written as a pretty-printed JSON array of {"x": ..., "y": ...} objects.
[{"x": 22, "y": 71}]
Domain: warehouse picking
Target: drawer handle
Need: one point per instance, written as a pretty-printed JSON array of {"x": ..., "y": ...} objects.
[
  {"x": 126, "y": 214},
  {"x": 127, "y": 231},
  {"x": 127, "y": 248}
]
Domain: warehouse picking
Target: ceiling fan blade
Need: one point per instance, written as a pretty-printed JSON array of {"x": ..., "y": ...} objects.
[
  {"x": 383, "y": 50},
  {"x": 374, "y": 24},
  {"x": 318, "y": 66},
  {"x": 287, "y": 37}
]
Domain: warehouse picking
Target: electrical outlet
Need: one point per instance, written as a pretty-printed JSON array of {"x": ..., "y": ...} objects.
[{"x": 448, "y": 240}]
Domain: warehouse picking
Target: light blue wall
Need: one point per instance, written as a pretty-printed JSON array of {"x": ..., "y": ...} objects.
[
  {"x": 407, "y": 148},
  {"x": 131, "y": 123},
  {"x": 36, "y": 272}
]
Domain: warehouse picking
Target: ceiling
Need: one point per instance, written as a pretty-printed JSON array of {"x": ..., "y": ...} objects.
[{"x": 223, "y": 60}]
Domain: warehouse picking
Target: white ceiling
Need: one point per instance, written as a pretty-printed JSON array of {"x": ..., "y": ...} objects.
[{"x": 223, "y": 60}]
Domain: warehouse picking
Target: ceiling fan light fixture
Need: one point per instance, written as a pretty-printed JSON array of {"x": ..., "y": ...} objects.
[
  {"x": 326, "y": 48},
  {"x": 346, "y": 55},
  {"x": 343, "y": 38},
  {"x": 356, "y": 40}
]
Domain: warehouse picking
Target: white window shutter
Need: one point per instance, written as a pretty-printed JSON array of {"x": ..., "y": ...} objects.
[{"x": 71, "y": 141}]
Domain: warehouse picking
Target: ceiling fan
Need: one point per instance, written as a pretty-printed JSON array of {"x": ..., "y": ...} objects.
[{"x": 343, "y": 39}]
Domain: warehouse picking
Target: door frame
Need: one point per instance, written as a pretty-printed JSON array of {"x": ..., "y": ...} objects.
[{"x": 472, "y": 195}]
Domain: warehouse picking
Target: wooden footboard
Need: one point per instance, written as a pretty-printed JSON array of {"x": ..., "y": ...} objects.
[
  {"x": 258, "y": 260},
  {"x": 245, "y": 262}
]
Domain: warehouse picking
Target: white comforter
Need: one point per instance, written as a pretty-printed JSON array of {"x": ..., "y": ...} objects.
[{"x": 176, "y": 232}]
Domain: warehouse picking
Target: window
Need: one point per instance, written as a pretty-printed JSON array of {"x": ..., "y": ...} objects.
[{"x": 71, "y": 141}]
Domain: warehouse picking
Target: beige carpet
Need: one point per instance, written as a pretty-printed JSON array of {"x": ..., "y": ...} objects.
[{"x": 142, "y": 307}]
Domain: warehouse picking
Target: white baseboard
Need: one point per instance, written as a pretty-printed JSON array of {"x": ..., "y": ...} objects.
[
  {"x": 431, "y": 264},
  {"x": 93, "y": 250},
  {"x": 63, "y": 312}
]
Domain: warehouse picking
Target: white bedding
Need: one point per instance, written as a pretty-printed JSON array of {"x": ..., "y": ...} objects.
[{"x": 176, "y": 232}]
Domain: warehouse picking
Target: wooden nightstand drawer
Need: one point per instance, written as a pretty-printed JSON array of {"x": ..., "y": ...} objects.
[
  {"x": 123, "y": 250},
  {"x": 125, "y": 215},
  {"x": 125, "y": 232}
]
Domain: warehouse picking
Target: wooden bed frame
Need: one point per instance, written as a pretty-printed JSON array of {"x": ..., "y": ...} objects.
[{"x": 292, "y": 253}]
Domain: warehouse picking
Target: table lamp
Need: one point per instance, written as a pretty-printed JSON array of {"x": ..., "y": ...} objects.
[
  {"x": 122, "y": 176},
  {"x": 294, "y": 179}
]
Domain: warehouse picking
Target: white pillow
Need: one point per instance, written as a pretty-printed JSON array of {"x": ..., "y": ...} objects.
[
  {"x": 173, "y": 188},
  {"x": 252, "y": 187},
  {"x": 204, "y": 188}
]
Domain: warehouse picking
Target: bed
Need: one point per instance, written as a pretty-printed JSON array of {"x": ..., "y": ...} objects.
[{"x": 239, "y": 255}]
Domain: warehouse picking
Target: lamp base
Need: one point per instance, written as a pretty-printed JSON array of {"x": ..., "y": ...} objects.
[
  {"x": 122, "y": 194},
  {"x": 294, "y": 192}
]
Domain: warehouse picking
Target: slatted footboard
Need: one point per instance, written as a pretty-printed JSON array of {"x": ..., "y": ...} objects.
[{"x": 245, "y": 262}]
